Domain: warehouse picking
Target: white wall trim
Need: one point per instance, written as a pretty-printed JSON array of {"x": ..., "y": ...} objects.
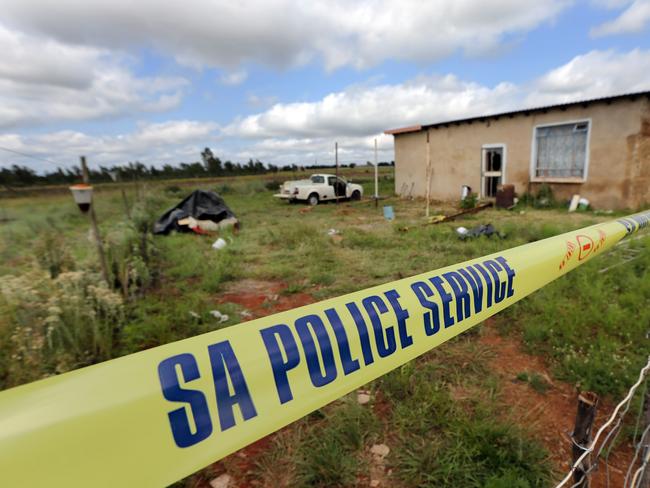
[
  {"x": 533, "y": 152},
  {"x": 504, "y": 162}
]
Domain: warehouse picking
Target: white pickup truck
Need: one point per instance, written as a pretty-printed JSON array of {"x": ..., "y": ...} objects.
[{"x": 320, "y": 188}]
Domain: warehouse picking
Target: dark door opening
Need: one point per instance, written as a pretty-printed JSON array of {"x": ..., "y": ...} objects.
[{"x": 491, "y": 170}]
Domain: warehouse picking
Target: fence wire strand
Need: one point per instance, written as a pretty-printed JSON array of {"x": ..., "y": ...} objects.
[{"x": 588, "y": 450}]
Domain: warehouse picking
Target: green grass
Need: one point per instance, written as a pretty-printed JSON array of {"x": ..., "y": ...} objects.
[
  {"x": 536, "y": 381},
  {"x": 443, "y": 416},
  {"x": 468, "y": 441}
]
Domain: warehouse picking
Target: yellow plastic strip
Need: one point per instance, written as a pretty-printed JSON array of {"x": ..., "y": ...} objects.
[{"x": 154, "y": 417}]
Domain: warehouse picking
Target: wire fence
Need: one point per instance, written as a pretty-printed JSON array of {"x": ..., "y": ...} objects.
[{"x": 638, "y": 469}]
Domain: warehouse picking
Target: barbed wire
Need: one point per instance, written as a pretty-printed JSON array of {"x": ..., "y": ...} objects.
[
  {"x": 641, "y": 470},
  {"x": 32, "y": 156},
  {"x": 644, "y": 463},
  {"x": 588, "y": 450}
]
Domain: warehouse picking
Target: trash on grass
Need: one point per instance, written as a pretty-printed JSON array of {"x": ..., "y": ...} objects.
[
  {"x": 583, "y": 204},
  {"x": 505, "y": 196},
  {"x": 476, "y": 209},
  {"x": 434, "y": 219},
  {"x": 219, "y": 244},
  {"x": 221, "y": 317},
  {"x": 223, "y": 481},
  {"x": 573, "y": 205},
  {"x": 389, "y": 214},
  {"x": 480, "y": 230},
  {"x": 201, "y": 212},
  {"x": 333, "y": 232},
  {"x": 363, "y": 397}
]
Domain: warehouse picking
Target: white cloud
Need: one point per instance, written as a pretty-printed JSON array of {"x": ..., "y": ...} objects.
[
  {"x": 591, "y": 75},
  {"x": 307, "y": 130},
  {"x": 285, "y": 32},
  {"x": 363, "y": 110},
  {"x": 168, "y": 142},
  {"x": 633, "y": 19},
  {"x": 44, "y": 81},
  {"x": 233, "y": 78}
]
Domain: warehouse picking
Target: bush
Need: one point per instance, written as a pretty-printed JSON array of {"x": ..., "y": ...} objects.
[
  {"x": 469, "y": 201},
  {"x": 57, "y": 325},
  {"x": 273, "y": 185}
]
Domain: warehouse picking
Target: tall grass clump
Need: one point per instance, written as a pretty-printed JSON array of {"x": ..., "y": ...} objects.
[{"x": 56, "y": 325}]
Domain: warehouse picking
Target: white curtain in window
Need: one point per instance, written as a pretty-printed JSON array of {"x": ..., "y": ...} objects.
[{"x": 561, "y": 151}]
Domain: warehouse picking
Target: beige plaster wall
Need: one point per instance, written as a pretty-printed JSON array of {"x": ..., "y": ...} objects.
[{"x": 619, "y": 154}]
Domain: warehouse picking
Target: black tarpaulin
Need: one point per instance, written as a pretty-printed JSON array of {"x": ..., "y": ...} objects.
[{"x": 201, "y": 205}]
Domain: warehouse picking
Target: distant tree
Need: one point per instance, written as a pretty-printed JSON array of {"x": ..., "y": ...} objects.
[{"x": 211, "y": 162}]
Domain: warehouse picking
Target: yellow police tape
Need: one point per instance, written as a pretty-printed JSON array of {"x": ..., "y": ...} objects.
[{"x": 151, "y": 418}]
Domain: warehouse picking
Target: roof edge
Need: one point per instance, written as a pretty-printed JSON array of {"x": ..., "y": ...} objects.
[
  {"x": 402, "y": 130},
  {"x": 526, "y": 111}
]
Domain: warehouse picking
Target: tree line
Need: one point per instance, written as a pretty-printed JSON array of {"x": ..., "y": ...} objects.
[{"x": 210, "y": 165}]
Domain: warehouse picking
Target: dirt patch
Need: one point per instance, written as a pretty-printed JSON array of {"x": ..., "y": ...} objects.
[
  {"x": 551, "y": 414},
  {"x": 262, "y": 298}
]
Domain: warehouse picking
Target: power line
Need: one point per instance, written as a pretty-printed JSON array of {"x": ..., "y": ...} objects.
[{"x": 31, "y": 156}]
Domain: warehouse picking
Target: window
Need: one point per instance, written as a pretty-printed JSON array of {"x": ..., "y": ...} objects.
[
  {"x": 318, "y": 179},
  {"x": 561, "y": 151}
]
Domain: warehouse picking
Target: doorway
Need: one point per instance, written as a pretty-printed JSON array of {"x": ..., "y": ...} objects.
[{"x": 493, "y": 163}]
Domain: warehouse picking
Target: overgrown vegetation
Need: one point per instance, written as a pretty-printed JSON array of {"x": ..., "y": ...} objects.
[{"x": 442, "y": 416}]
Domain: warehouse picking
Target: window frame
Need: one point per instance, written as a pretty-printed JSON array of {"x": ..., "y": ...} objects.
[
  {"x": 560, "y": 179},
  {"x": 504, "y": 163}
]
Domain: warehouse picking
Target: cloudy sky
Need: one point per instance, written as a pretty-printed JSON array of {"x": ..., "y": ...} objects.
[{"x": 281, "y": 80}]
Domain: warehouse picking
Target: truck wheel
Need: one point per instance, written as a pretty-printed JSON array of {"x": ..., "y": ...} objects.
[
  {"x": 356, "y": 195},
  {"x": 313, "y": 199}
]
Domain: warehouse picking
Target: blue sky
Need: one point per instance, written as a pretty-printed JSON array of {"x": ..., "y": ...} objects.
[{"x": 283, "y": 80}]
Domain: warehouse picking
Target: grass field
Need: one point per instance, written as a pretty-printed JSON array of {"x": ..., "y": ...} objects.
[{"x": 447, "y": 418}]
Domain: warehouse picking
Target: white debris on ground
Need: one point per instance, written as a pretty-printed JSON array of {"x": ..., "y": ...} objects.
[
  {"x": 221, "y": 317},
  {"x": 223, "y": 481},
  {"x": 379, "y": 451},
  {"x": 246, "y": 314},
  {"x": 363, "y": 397},
  {"x": 194, "y": 315},
  {"x": 378, "y": 474},
  {"x": 219, "y": 244}
]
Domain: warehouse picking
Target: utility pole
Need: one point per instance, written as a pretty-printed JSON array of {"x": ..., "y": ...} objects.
[
  {"x": 428, "y": 175},
  {"x": 336, "y": 160},
  {"x": 376, "y": 176},
  {"x": 93, "y": 221}
]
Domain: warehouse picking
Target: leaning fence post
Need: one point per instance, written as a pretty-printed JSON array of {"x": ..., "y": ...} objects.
[{"x": 581, "y": 436}]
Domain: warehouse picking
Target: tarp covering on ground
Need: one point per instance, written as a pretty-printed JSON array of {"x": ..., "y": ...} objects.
[{"x": 200, "y": 205}]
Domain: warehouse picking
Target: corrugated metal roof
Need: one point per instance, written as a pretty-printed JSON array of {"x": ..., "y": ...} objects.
[{"x": 525, "y": 111}]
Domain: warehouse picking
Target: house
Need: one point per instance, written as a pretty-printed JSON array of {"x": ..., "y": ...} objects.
[{"x": 597, "y": 148}]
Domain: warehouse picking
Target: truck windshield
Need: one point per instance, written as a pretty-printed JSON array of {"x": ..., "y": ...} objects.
[{"x": 317, "y": 179}]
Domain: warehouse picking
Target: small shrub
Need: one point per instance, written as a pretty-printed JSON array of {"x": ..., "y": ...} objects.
[
  {"x": 469, "y": 201},
  {"x": 52, "y": 253},
  {"x": 173, "y": 190},
  {"x": 58, "y": 325},
  {"x": 273, "y": 185}
]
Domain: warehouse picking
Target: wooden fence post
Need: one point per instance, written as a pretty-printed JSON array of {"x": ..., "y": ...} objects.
[
  {"x": 581, "y": 436},
  {"x": 93, "y": 221}
]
